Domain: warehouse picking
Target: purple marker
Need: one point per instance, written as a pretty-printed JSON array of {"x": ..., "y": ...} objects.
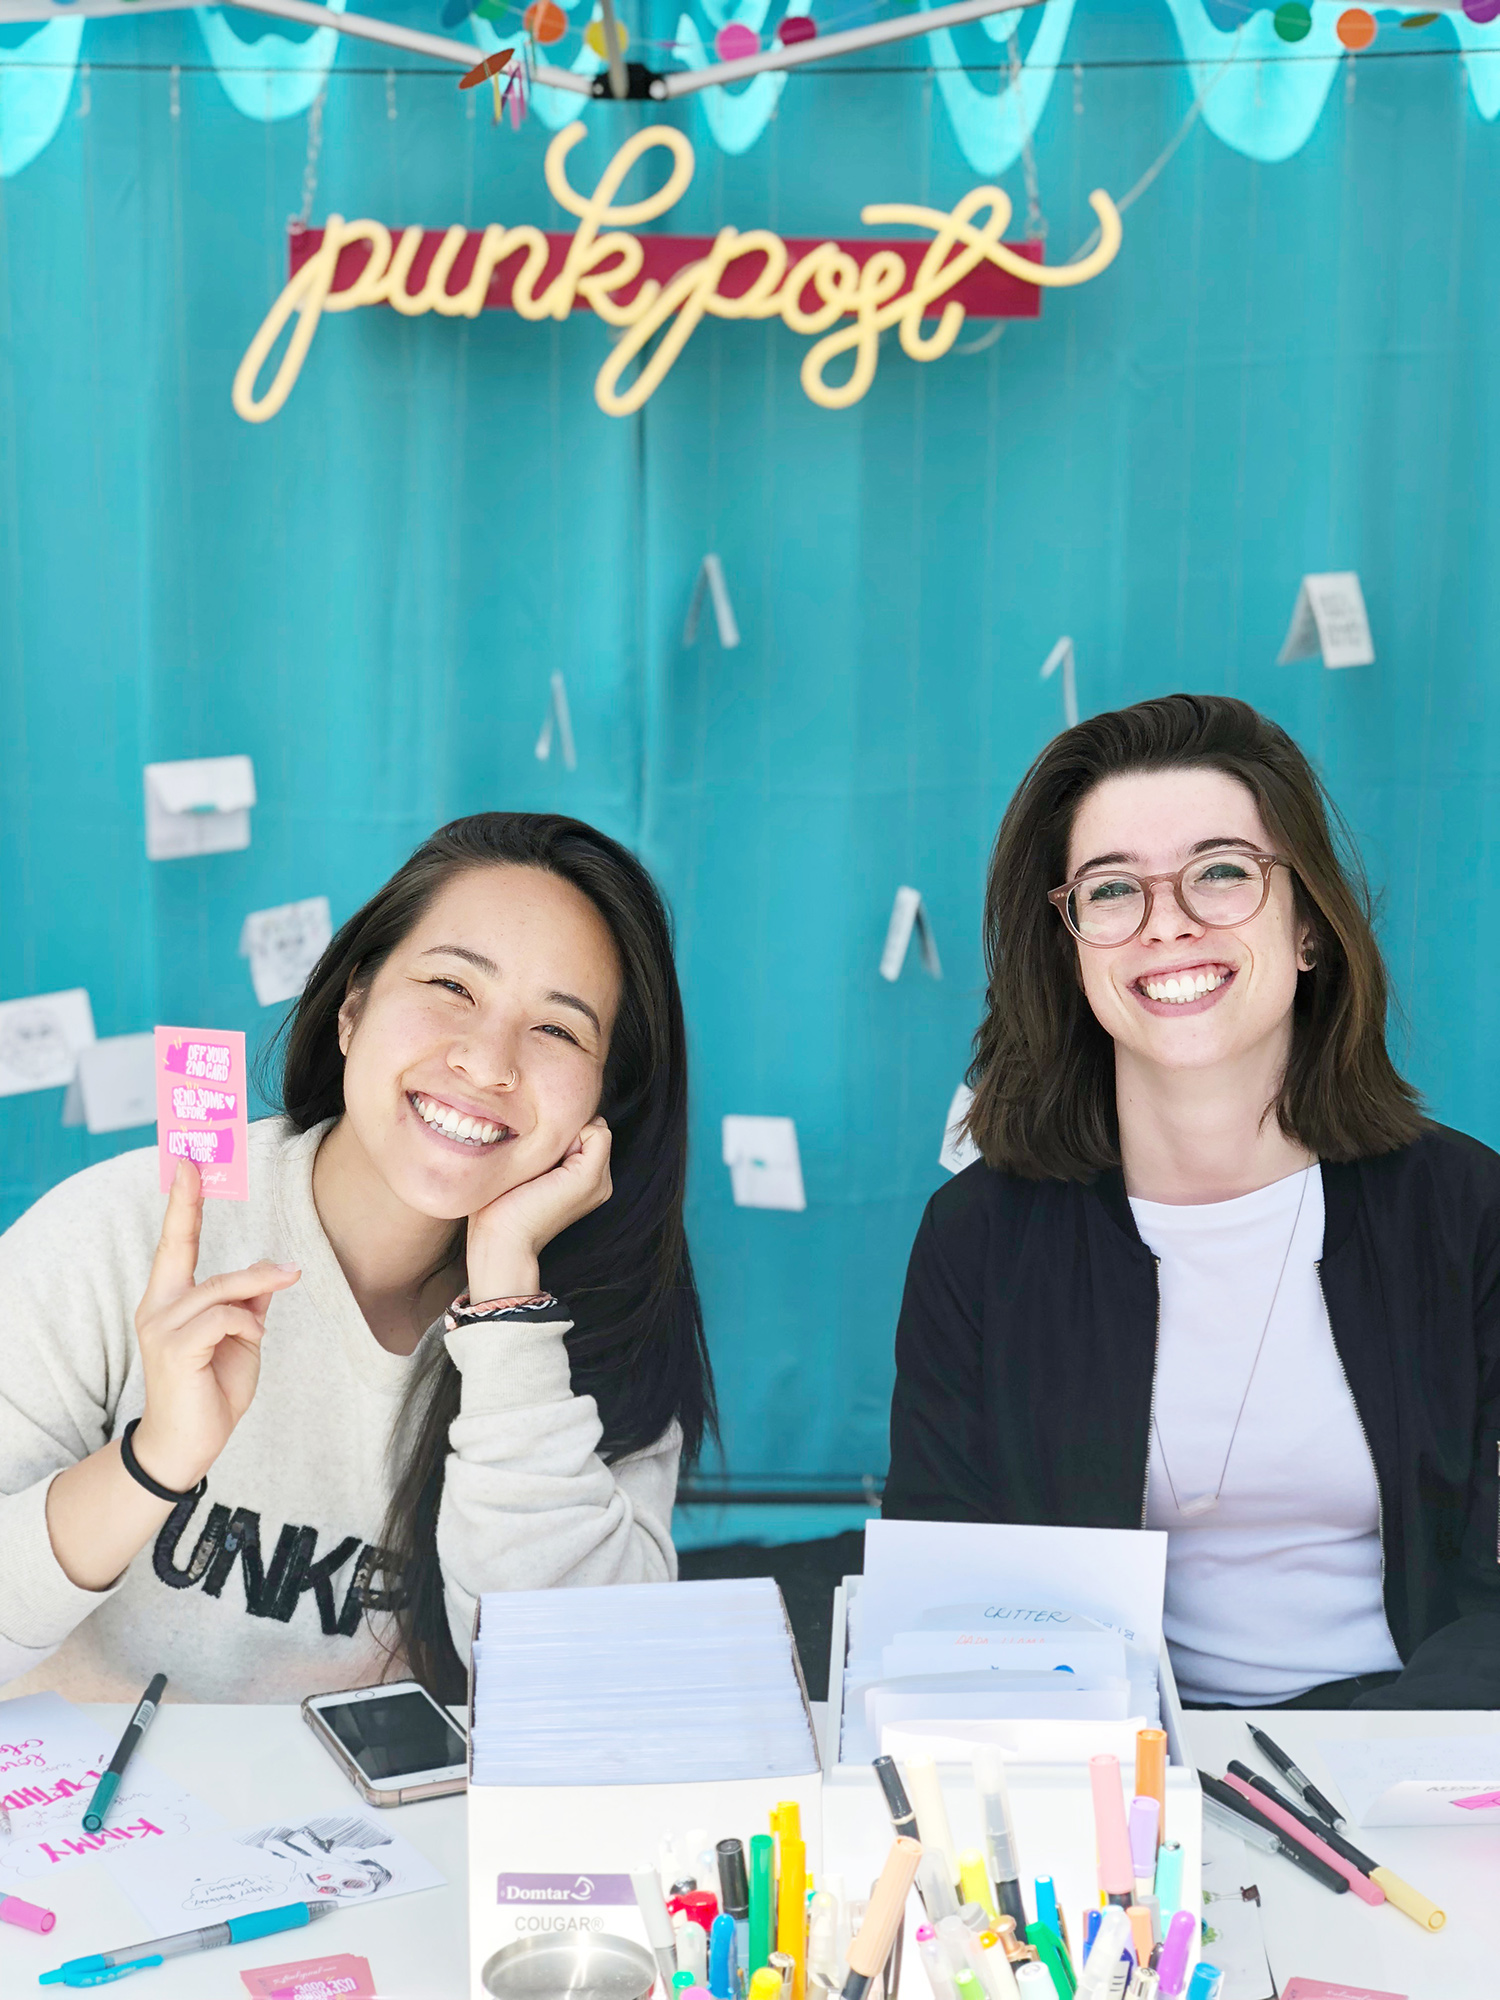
[
  {"x": 1171, "y": 1967},
  {"x": 1145, "y": 1819}
]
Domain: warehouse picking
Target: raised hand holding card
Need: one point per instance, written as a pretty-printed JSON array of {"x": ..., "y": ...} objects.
[{"x": 201, "y": 1113}]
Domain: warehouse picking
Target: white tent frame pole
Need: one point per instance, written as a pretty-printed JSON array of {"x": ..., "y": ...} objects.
[{"x": 441, "y": 48}]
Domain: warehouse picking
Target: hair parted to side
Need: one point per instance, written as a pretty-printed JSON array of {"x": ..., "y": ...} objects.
[
  {"x": 1043, "y": 1071},
  {"x": 637, "y": 1344}
]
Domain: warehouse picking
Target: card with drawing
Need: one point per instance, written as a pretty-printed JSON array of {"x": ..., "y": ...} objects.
[
  {"x": 201, "y": 1112},
  {"x": 329, "y": 1857},
  {"x": 40, "y": 1040}
]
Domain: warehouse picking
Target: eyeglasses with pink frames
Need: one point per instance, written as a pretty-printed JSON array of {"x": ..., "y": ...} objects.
[{"x": 1219, "y": 889}]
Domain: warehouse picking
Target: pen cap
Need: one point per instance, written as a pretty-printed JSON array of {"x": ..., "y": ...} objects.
[
  {"x": 1034, "y": 1981},
  {"x": 937, "y": 1891},
  {"x": 1151, "y": 1769},
  {"x": 1116, "y": 1876},
  {"x": 1406, "y": 1899},
  {"x": 734, "y": 1883},
  {"x": 1206, "y": 1983},
  {"x": 1142, "y": 1942},
  {"x": 994, "y": 1797},
  {"x": 699, "y": 1906},
  {"x": 647, "y": 1886},
  {"x": 787, "y": 1819},
  {"x": 1169, "y": 1877},
  {"x": 872, "y": 1947},
  {"x": 765, "y": 1984},
  {"x": 25, "y": 1916},
  {"x": 1145, "y": 1818},
  {"x": 1171, "y": 1967}
]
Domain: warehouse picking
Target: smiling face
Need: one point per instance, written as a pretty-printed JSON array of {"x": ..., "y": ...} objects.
[
  {"x": 477, "y": 1055},
  {"x": 1182, "y": 995}
]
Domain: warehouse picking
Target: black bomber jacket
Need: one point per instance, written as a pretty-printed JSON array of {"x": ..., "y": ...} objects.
[{"x": 1026, "y": 1354}]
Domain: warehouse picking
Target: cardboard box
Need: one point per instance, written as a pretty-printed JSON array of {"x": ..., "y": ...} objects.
[{"x": 544, "y": 1859}]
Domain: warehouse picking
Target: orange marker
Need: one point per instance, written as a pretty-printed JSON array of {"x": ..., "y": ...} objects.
[{"x": 1151, "y": 1773}]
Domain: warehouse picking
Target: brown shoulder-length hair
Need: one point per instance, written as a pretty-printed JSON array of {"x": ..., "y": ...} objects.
[{"x": 1043, "y": 1071}]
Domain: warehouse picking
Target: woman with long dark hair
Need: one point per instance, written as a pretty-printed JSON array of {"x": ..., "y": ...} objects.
[
  {"x": 451, "y": 1343},
  {"x": 1215, "y": 1273}
]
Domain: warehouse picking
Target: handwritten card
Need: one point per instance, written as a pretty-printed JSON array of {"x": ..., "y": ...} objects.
[
  {"x": 283, "y": 945},
  {"x": 201, "y": 1112},
  {"x": 1417, "y": 1780},
  {"x": 908, "y": 913},
  {"x": 333, "y": 1858},
  {"x": 1329, "y": 617},
  {"x": 40, "y": 1040},
  {"x": 1319, "y": 1989},
  {"x": 115, "y": 1088},
  {"x": 51, "y": 1755},
  {"x": 341, "y": 1977}
]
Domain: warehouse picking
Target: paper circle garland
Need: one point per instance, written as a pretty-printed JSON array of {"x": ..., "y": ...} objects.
[
  {"x": 1293, "y": 20},
  {"x": 796, "y": 28},
  {"x": 1480, "y": 12},
  {"x": 545, "y": 22},
  {"x": 593, "y": 34},
  {"x": 736, "y": 40},
  {"x": 1417, "y": 21},
  {"x": 1356, "y": 29}
]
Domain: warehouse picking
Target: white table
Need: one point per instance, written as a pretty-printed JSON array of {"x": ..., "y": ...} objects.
[{"x": 257, "y": 1764}]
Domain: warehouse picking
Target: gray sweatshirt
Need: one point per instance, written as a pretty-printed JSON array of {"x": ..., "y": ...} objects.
[{"x": 267, "y": 1588}]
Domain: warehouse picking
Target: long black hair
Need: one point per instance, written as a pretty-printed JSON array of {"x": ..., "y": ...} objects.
[{"x": 637, "y": 1342}]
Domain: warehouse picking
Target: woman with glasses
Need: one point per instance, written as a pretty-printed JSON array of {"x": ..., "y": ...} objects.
[{"x": 1215, "y": 1273}]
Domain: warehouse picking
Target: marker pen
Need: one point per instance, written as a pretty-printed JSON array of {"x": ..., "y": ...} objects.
[
  {"x": 791, "y": 1907},
  {"x": 692, "y": 1948},
  {"x": 990, "y": 1968},
  {"x": 974, "y": 1881},
  {"x": 1048, "y": 1946},
  {"x": 1142, "y": 1943},
  {"x": 877, "y": 1934},
  {"x": 1111, "y": 1941},
  {"x": 785, "y": 1967},
  {"x": 823, "y": 1956},
  {"x": 681, "y": 1981},
  {"x": 926, "y": 1795},
  {"x": 939, "y": 1978},
  {"x": 724, "y": 1959},
  {"x": 1000, "y": 1833},
  {"x": 734, "y": 1893},
  {"x": 762, "y": 1901},
  {"x": 939, "y": 1898},
  {"x": 1169, "y": 1878},
  {"x": 1300, "y": 1783},
  {"x": 1143, "y": 1823},
  {"x": 1206, "y": 1983},
  {"x": 659, "y": 1932},
  {"x": 1151, "y": 1773},
  {"x": 1400, "y": 1895},
  {"x": 903, "y": 1819},
  {"x": 1171, "y": 1967},
  {"x": 765, "y": 1984},
  {"x": 1034, "y": 1982},
  {"x": 1116, "y": 1875},
  {"x": 25, "y": 1916},
  {"x": 1293, "y": 1830}
]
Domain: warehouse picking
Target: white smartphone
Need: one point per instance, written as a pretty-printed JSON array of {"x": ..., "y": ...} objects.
[{"x": 393, "y": 1743}]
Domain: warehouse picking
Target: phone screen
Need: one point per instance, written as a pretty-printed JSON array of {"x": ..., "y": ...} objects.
[{"x": 395, "y": 1734}]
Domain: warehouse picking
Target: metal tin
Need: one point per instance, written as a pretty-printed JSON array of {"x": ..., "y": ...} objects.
[{"x": 596, "y": 1967}]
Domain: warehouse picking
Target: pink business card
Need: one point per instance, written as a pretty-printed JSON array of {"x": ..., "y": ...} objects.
[
  {"x": 1320, "y": 1989},
  {"x": 338, "y": 1978},
  {"x": 201, "y": 1113}
]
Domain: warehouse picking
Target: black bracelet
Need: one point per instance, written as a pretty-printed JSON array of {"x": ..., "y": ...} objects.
[{"x": 143, "y": 1478}]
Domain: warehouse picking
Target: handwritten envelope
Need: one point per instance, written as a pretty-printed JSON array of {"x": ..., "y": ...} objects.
[
  {"x": 201, "y": 1112},
  {"x": 765, "y": 1168},
  {"x": 200, "y": 805}
]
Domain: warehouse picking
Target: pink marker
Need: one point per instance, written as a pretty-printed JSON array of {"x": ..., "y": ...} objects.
[
  {"x": 1363, "y": 1887},
  {"x": 1116, "y": 1876},
  {"x": 25, "y": 1916}
]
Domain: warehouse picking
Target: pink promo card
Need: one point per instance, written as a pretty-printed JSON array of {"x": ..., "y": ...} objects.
[
  {"x": 341, "y": 1977},
  {"x": 201, "y": 1112},
  {"x": 1320, "y": 1989}
]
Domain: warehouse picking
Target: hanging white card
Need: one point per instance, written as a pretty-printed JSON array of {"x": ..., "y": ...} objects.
[
  {"x": 908, "y": 914},
  {"x": 115, "y": 1087},
  {"x": 1329, "y": 617},
  {"x": 711, "y": 584},
  {"x": 959, "y": 1150},
  {"x": 283, "y": 945},
  {"x": 40, "y": 1040},
  {"x": 198, "y": 806},
  {"x": 1062, "y": 656},
  {"x": 765, "y": 1168},
  {"x": 557, "y": 713}
]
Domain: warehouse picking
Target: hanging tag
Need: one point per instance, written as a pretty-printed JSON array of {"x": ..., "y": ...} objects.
[
  {"x": 908, "y": 914},
  {"x": 959, "y": 1150},
  {"x": 557, "y": 712},
  {"x": 765, "y": 1167},
  {"x": 1329, "y": 617},
  {"x": 1062, "y": 656},
  {"x": 711, "y": 584}
]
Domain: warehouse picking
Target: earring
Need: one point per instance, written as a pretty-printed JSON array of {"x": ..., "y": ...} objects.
[{"x": 1309, "y": 957}]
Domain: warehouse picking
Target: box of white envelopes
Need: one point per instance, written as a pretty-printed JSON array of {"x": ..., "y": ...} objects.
[
  {"x": 1045, "y": 1642},
  {"x": 608, "y": 1723}
]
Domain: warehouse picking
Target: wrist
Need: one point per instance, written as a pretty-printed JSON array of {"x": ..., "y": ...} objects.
[
  {"x": 167, "y": 1466},
  {"x": 513, "y": 1275}
]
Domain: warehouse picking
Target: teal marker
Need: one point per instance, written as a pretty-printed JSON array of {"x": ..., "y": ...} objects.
[
  {"x": 762, "y": 1900},
  {"x": 104, "y": 1966},
  {"x": 135, "y": 1729},
  {"x": 1169, "y": 1880}
]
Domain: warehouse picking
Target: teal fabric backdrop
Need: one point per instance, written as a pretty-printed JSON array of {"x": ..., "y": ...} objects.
[{"x": 1290, "y": 368}]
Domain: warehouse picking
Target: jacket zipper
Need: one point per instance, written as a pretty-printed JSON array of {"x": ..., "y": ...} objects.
[
  {"x": 1151, "y": 1413},
  {"x": 1379, "y": 1491}
]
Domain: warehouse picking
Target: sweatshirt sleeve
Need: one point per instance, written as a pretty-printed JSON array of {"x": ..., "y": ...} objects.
[
  {"x": 527, "y": 1501},
  {"x": 68, "y": 1348}
]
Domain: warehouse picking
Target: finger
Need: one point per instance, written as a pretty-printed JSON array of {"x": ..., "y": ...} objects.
[
  {"x": 261, "y": 1280},
  {"x": 196, "y": 1341},
  {"x": 176, "y": 1260}
]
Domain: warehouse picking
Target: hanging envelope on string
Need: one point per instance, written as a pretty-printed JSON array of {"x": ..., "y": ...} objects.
[
  {"x": 200, "y": 805},
  {"x": 765, "y": 1168},
  {"x": 115, "y": 1088},
  {"x": 1329, "y": 618}
]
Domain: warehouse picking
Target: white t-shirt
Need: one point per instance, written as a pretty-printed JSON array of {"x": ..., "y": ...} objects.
[{"x": 1278, "y": 1587}]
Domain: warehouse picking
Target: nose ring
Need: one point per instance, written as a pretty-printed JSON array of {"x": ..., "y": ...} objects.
[{"x": 511, "y": 1080}]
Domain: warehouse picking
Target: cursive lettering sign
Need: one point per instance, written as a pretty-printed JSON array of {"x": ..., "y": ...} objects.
[{"x": 843, "y": 296}]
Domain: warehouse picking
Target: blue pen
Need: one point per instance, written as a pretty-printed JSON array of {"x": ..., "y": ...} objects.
[
  {"x": 103, "y": 1966},
  {"x": 1046, "y": 1903},
  {"x": 1206, "y": 1983},
  {"x": 723, "y": 1958}
]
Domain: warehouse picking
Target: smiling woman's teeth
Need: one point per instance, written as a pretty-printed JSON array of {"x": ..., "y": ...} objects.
[
  {"x": 453, "y": 1124},
  {"x": 1182, "y": 986}
]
